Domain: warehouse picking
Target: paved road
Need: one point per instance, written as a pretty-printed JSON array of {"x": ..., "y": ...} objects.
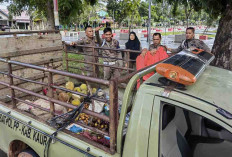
[
  {"x": 2, "y": 154},
  {"x": 166, "y": 40}
]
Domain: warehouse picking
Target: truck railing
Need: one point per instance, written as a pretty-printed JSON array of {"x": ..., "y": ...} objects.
[
  {"x": 30, "y": 32},
  {"x": 74, "y": 50},
  {"x": 131, "y": 86},
  {"x": 113, "y": 103},
  {"x": 126, "y": 107}
]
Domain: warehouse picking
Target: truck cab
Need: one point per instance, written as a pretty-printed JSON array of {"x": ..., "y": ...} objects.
[{"x": 196, "y": 121}]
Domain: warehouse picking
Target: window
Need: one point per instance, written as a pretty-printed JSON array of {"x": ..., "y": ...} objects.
[{"x": 187, "y": 134}]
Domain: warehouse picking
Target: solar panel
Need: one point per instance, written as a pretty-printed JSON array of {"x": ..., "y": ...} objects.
[{"x": 186, "y": 66}]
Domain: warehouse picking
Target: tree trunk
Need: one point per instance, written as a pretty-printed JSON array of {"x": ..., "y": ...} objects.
[
  {"x": 50, "y": 15},
  {"x": 222, "y": 48}
]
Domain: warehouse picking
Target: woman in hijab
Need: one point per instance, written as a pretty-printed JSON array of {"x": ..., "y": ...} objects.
[{"x": 133, "y": 43}]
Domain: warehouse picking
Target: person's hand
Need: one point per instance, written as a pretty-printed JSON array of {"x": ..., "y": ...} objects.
[
  {"x": 153, "y": 51},
  {"x": 125, "y": 65},
  {"x": 168, "y": 49},
  {"x": 144, "y": 51},
  {"x": 98, "y": 28},
  {"x": 72, "y": 43}
]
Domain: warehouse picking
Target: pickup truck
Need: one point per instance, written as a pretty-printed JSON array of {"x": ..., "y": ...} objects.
[{"x": 165, "y": 121}]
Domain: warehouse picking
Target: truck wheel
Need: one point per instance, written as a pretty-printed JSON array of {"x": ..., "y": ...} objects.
[{"x": 28, "y": 153}]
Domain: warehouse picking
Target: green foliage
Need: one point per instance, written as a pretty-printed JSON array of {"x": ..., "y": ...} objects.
[
  {"x": 117, "y": 9},
  {"x": 123, "y": 9},
  {"x": 214, "y": 8},
  {"x": 143, "y": 9},
  {"x": 67, "y": 8}
]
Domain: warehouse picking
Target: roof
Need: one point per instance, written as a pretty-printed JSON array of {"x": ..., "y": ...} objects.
[
  {"x": 4, "y": 12},
  {"x": 102, "y": 13},
  {"x": 214, "y": 86},
  {"x": 23, "y": 17}
]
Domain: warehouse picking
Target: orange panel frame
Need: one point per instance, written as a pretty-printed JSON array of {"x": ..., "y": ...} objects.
[{"x": 175, "y": 73}]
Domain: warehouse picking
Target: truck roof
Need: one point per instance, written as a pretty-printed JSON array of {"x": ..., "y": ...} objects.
[{"x": 214, "y": 86}]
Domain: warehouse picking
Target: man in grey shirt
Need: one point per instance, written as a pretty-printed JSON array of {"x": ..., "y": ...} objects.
[{"x": 190, "y": 43}]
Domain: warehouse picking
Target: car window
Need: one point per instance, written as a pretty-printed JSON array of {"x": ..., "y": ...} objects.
[{"x": 187, "y": 134}]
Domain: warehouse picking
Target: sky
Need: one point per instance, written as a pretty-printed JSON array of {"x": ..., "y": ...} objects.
[{"x": 3, "y": 5}]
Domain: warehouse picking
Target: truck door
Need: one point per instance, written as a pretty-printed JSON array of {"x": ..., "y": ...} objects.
[{"x": 179, "y": 130}]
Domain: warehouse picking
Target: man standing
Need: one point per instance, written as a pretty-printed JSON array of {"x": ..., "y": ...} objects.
[
  {"x": 109, "y": 56},
  {"x": 89, "y": 40},
  {"x": 156, "y": 53},
  {"x": 190, "y": 43}
]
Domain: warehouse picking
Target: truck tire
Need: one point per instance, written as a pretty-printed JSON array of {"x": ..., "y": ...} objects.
[{"x": 28, "y": 153}]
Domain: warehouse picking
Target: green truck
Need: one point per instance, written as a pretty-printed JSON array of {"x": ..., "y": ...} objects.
[{"x": 164, "y": 121}]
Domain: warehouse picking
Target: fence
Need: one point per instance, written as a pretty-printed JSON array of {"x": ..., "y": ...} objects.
[
  {"x": 74, "y": 50},
  {"x": 43, "y": 48},
  {"x": 51, "y": 73}
]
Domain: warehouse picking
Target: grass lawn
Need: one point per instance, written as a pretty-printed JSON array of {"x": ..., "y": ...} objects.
[
  {"x": 215, "y": 31},
  {"x": 73, "y": 66},
  {"x": 171, "y": 33},
  {"x": 209, "y": 35}
]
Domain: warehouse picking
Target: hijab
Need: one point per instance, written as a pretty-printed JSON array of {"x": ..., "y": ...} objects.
[{"x": 133, "y": 44}]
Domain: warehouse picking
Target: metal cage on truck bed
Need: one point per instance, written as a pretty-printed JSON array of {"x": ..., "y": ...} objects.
[
  {"x": 112, "y": 119},
  {"x": 50, "y": 84}
]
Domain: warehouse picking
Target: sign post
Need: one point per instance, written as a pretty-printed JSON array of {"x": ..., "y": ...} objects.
[
  {"x": 56, "y": 15},
  {"x": 149, "y": 24}
]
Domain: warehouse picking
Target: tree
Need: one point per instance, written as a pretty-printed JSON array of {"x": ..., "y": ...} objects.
[
  {"x": 89, "y": 15},
  {"x": 116, "y": 8},
  {"x": 222, "y": 48},
  {"x": 143, "y": 11},
  {"x": 67, "y": 9},
  {"x": 123, "y": 9}
]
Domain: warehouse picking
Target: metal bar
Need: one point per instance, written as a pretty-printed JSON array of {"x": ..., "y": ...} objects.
[
  {"x": 127, "y": 101},
  {"x": 51, "y": 93},
  {"x": 14, "y": 68},
  {"x": 38, "y": 95},
  {"x": 30, "y": 103},
  {"x": 113, "y": 67},
  {"x": 74, "y": 52},
  {"x": 94, "y": 66},
  {"x": 36, "y": 90},
  {"x": 103, "y": 117},
  {"x": 104, "y": 48},
  {"x": 141, "y": 81},
  {"x": 113, "y": 116},
  {"x": 81, "y": 77},
  {"x": 78, "y": 93},
  {"x": 19, "y": 81},
  {"x": 77, "y": 52},
  {"x": 28, "y": 80},
  {"x": 66, "y": 57},
  {"x": 93, "y": 129},
  {"x": 130, "y": 75},
  {"x": 30, "y": 52},
  {"x": 127, "y": 61},
  {"x": 11, "y": 83},
  {"x": 30, "y": 32},
  {"x": 4, "y": 73}
]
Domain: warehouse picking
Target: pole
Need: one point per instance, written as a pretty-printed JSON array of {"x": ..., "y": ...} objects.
[
  {"x": 149, "y": 24},
  {"x": 147, "y": 30},
  {"x": 113, "y": 21},
  {"x": 56, "y": 15}
]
